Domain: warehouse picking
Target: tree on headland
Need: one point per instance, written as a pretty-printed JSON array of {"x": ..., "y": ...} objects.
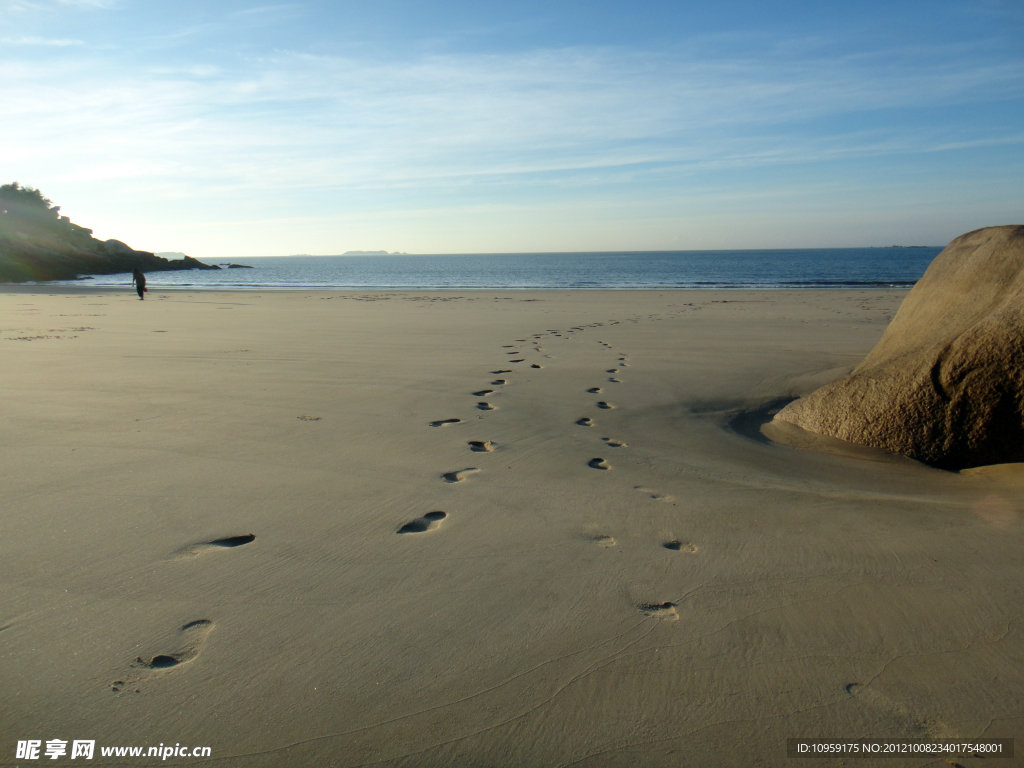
[
  {"x": 27, "y": 210},
  {"x": 26, "y": 201},
  {"x": 37, "y": 243}
]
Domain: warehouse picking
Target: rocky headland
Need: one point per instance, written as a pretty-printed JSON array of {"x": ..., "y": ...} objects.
[{"x": 37, "y": 243}]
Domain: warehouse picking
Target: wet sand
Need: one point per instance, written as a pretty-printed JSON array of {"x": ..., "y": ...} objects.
[{"x": 480, "y": 529}]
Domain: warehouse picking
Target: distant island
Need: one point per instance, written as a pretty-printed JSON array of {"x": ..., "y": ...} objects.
[
  {"x": 350, "y": 253},
  {"x": 38, "y": 244}
]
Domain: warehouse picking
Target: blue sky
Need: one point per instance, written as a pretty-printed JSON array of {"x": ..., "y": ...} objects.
[{"x": 228, "y": 128}]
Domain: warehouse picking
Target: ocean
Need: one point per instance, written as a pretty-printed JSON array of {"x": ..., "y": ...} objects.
[{"x": 894, "y": 267}]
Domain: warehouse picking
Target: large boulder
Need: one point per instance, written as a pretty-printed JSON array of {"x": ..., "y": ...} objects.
[{"x": 945, "y": 385}]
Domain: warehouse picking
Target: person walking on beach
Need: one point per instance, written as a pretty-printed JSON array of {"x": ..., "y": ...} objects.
[{"x": 139, "y": 281}]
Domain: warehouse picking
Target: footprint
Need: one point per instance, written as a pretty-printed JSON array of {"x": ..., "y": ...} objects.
[
  {"x": 481, "y": 446},
  {"x": 680, "y": 546},
  {"x": 517, "y": 361},
  {"x": 624, "y": 365},
  {"x": 912, "y": 723},
  {"x": 503, "y": 370},
  {"x": 614, "y": 443},
  {"x": 428, "y": 522},
  {"x": 117, "y": 684},
  {"x": 604, "y": 405},
  {"x": 508, "y": 346},
  {"x": 612, "y": 370},
  {"x": 459, "y": 475},
  {"x": 602, "y": 540},
  {"x": 482, "y": 392},
  {"x": 585, "y": 422},
  {"x": 232, "y": 541},
  {"x": 498, "y": 382},
  {"x": 654, "y": 494},
  {"x": 486, "y": 407},
  {"x": 665, "y": 611},
  {"x": 534, "y": 365},
  {"x": 188, "y": 643},
  {"x": 598, "y": 464},
  {"x": 594, "y": 390},
  {"x": 617, "y": 381},
  {"x": 444, "y": 422},
  {"x": 309, "y": 418}
]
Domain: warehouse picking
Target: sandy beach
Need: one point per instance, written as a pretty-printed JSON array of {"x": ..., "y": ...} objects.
[{"x": 480, "y": 529}]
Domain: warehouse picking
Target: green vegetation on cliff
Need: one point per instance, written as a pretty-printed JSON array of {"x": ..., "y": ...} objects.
[{"x": 37, "y": 243}]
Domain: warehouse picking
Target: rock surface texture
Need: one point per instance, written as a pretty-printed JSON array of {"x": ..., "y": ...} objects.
[{"x": 945, "y": 385}]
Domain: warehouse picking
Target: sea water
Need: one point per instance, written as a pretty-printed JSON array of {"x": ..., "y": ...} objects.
[{"x": 895, "y": 267}]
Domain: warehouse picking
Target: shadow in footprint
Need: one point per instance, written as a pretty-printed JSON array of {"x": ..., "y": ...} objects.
[
  {"x": 459, "y": 475},
  {"x": 594, "y": 390},
  {"x": 503, "y": 370},
  {"x": 680, "y": 546},
  {"x": 189, "y": 642},
  {"x": 606, "y": 406},
  {"x": 534, "y": 365},
  {"x": 485, "y": 407},
  {"x": 163, "y": 662},
  {"x": 598, "y": 464},
  {"x": 665, "y": 611},
  {"x": 428, "y": 522},
  {"x": 194, "y": 550},
  {"x": 234, "y": 541},
  {"x": 445, "y": 422},
  {"x": 614, "y": 443},
  {"x": 482, "y": 392},
  {"x": 498, "y": 382},
  {"x": 650, "y": 493},
  {"x": 481, "y": 446},
  {"x": 585, "y": 422}
]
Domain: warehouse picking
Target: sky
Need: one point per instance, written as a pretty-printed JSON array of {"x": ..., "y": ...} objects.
[{"x": 225, "y": 128}]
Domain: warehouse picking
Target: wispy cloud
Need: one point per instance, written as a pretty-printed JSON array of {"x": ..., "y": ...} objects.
[
  {"x": 17, "y": 10},
  {"x": 291, "y": 124},
  {"x": 30, "y": 40},
  {"x": 23, "y": 6},
  {"x": 268, "y": 12}
]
